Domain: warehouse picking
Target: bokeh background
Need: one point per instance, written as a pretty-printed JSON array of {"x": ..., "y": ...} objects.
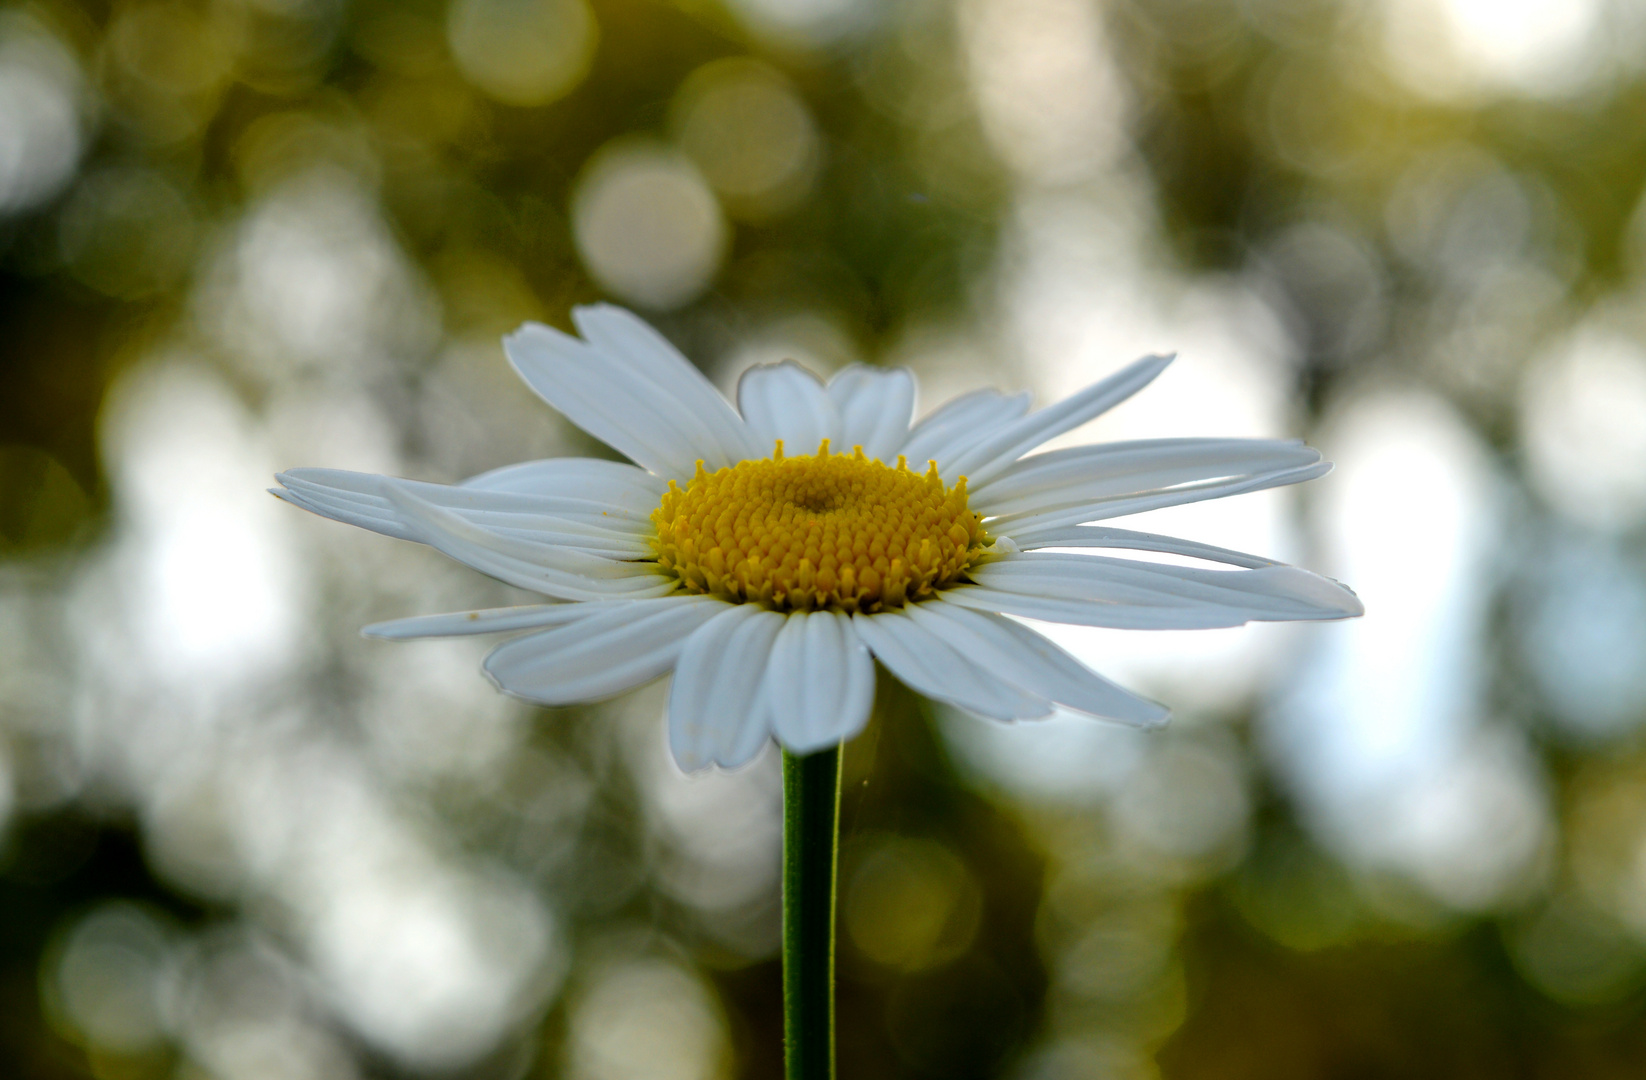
[{"x": 242, "y": 843}]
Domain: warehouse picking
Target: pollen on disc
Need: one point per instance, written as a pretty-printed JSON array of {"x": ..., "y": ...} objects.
[{"x": 820, "y": 532}]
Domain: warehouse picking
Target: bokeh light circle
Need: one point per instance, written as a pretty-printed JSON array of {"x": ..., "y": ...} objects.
[
  {"x": 751, "y": 134},
  {"x": 523, "y": 52},
  {"x": 647, "y": 226},
  {"x": 1583, "y": 429}
]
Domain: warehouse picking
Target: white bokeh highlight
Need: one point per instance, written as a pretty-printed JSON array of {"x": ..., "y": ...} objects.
[
  {"x": 41, "y": 135},
  {"x": 647, "y": 225},
  {"x": 1583, "y": 429},
  {"x": 1384, "y": 738}
]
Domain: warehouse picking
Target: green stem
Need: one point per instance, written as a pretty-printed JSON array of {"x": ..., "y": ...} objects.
[{"x": 811, "y": 812}]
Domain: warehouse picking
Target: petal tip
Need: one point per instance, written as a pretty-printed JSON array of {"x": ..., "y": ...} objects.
[
  {"x": 1153, "y": 363},
  {"x": 517, "y": 341},
  {"x": 520, "y": 332},
  {"x": 767, "y": 367},
  {"x": 690, "y": 764},
  {"x": 489, "y": 671},
  {"x": 602, "y": 309}
]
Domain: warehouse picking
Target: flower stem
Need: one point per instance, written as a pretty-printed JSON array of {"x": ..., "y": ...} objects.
[{"x": 811, "y": 811}]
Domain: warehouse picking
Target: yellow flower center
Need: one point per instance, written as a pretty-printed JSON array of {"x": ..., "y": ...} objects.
[{"x": 809, "y": 533}]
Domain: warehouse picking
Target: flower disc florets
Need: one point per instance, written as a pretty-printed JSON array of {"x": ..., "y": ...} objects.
[{"x": 838, "y": 532}]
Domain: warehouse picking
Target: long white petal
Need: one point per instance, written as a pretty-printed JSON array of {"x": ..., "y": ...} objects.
[
  {"x": 1120, "y": 506},
  {"x": 991, "y": 456},
  {"x": 1085, "y": 474},
  {"x": 929, "y": 665},
  {"x": 622, "y": 334},
  {"x": 344, "y": 508},
  {"x": 1102, "y": 536},
  {"x": 1270, "y": 592},
  {"x": 957, "y": 424},
  {"x": 588, "y": 479},
  {"x": 391, "y": 521},
  {"x": 1100, "y": 591},
  {"x": 487, "y": 621},
  {"x": 347, "y": 496},
  {"x": 615, "y": 647},
  {"x": 362, "y": 499},
  {"x": 717, "y": 712},
  {"x": 785, "y": 401},
  {"x": 600, "y": 397},
  {"x": 621, "y": 402},
  {"x": 820, "y": 682},
  {"x": 1028, "y": 661},
  {"x": 555, "y": 571},
  {"x": 1116, "y": 616},
  {"x": 875, "y": 406},
  {"x": 446, "y": 529}
]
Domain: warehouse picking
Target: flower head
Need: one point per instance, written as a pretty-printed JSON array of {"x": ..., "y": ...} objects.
[{"x": 765, "y": 554}]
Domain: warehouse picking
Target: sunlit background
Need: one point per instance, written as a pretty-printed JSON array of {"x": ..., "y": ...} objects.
[{"x": 242, "y": 843}]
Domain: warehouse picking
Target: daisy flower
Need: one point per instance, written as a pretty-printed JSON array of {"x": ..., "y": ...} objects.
[{"x": 767, "y": 555}]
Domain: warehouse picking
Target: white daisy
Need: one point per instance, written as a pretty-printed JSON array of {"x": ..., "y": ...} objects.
[{"x": 765, "y": 567}]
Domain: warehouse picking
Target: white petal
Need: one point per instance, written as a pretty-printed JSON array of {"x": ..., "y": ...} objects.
[
  {"x": 556, "y": 571},
  {"x": 1278, "y": 591},
  {"x": 785, "y": 401},
  {"x": 929, "y": 665},
  {"x": 602, "y": 397},
  {"x": 1087, "y": 612},
  {"x": 1120, "y": 506},
  {"x": 989, "y": 456},
  {"x": 1129, "y": 593},
  {"x": 574, "y": 537},
  {"x": 623, "y": 334},
  {"x": 718, "y": 714},
  {"x": 1085, "y": 474},
  {"x": 960, "y": 423},
  {"x": 361, "y": 499},
  {"x": 623, "y": 402},
  {"x": 820, "y": 683},
  {"x": 613, "y": 648},
  {"x": 347, "y": 507},
  {"x": 1028, "y": 661},
  {"x": 1102, "y": 536},
  {"x": 589, "y": 479},
  {"x": 875, "y": 406},
  {"x": 488, "y": 621}
]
